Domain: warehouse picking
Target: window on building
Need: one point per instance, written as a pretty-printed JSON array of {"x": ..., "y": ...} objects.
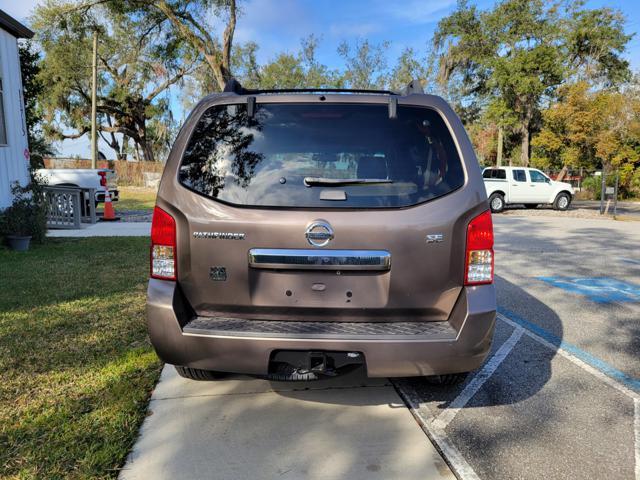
[{"x": 3, "y": 127}]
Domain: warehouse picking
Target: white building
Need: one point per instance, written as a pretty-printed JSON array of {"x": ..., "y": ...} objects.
[{"x": 14, "y": 149}]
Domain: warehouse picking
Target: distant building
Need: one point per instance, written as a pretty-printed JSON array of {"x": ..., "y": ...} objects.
[{"x": 14, "y": 149}]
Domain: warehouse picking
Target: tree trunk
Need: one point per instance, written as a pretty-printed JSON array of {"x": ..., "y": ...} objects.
[
  {"x": 147, "y": 151},
  {"x": 562, "y": 174},
  {"x": 524, "y": 143},
  {"x": 500, "y": 142}
]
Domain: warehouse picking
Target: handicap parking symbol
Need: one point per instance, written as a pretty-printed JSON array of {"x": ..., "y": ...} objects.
[{"x": 599, "y": 290}]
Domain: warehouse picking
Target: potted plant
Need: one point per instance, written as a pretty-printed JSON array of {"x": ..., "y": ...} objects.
[{"x": 26, "y": 218}]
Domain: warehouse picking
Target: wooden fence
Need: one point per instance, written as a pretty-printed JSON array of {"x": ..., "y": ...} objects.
[{"x": 129, "y": 173}]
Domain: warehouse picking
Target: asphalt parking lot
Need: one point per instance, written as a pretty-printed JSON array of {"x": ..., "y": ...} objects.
[{"x": 559, "y": 396}]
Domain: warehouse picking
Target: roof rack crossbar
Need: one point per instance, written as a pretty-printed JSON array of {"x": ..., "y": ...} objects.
[{"x": 233, "y": 86}]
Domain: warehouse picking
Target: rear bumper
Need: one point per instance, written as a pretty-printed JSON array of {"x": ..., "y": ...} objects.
[
  {"x": 471, "y": 326},
  {"x": 114, "y": 192}
]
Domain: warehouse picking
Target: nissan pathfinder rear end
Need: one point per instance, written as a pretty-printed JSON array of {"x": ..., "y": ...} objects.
[{"x": 304, "y": 233}]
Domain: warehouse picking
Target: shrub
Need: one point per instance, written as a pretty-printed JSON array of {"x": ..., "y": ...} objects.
[{"x": 27, "y": 215}]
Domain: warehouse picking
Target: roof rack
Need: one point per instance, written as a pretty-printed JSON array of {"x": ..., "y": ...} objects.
[{"x": 234, "y": 86}]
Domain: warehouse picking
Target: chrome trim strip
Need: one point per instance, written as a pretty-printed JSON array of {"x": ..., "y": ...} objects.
[{"x": 306, "y": 259}]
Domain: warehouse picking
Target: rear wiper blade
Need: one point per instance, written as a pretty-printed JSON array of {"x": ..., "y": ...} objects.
[{"x": 338, "y": 182}]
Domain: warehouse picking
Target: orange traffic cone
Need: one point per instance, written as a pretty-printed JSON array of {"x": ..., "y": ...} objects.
[{"x": 109, "y": 212}]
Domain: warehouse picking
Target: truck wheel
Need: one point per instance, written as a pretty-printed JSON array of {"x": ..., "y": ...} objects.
[
  {"x": 562, "y": 202},
  {"x": 448, "y": 379},
  {"x": 496, "y": 202},
  {"x": 197, "y": 374},
  {"x": 530, "y": 206}
]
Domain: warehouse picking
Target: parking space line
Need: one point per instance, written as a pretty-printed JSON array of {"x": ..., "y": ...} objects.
[
  {"x": 605, "y": 372},
  {"x": 438, "y": 437},
  {"x": 478, "y": 380},
  {"x": 434, "y": 427}
]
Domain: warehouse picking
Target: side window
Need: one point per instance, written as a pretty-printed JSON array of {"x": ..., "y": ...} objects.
[
  {"x": 537, "y": 176},
  {"x": 494, "y": 173},
  {"x": 519, "y": 176}
]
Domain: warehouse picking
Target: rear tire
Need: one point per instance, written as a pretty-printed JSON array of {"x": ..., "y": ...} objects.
[
  {"x": 448, "y": 379},
  {"x": 530, "y": 206},
  {"x": 496, "y": 202},
  {"x": 562, "y": 202},
  {"x": 197, "y": 374}
]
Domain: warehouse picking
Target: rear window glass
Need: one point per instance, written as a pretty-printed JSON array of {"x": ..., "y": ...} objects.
[
  {"x": 330, "y": 156},
  {"x": 495, "y": 173}
]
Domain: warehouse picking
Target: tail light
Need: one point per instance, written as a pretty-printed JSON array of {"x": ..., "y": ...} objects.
[
  {"x": 103, "y": 179},
  {"x": 163, "y": 245},
  {"x": 479, "y": 251}
]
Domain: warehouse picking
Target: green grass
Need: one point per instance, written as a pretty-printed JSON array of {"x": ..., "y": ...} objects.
[
  {"x": 136, "y": 198},
  {"x": 76, "y": 367}
]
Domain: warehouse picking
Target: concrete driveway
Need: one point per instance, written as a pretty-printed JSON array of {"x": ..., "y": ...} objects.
[{"x": 245, "y": 428}]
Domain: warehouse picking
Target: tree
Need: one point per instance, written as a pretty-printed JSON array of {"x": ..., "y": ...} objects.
[
  {"x": 32, "y": 87},
  {"x": 407, "y": 69},
  {"x": 366, "y": 64},
  {"x": 190, "y": 21},
  {"x": 137, "y": 65},
  {"x": 514, "y": 56},
  {"x": 287, "y": 70},
  {"x": 592, "y": 129}
]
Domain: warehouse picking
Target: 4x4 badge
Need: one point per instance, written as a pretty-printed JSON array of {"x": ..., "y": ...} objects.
[{"x": 319, "y": 233}]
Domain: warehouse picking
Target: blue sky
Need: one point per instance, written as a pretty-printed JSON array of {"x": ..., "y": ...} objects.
[{"x": 279, "y": 25}]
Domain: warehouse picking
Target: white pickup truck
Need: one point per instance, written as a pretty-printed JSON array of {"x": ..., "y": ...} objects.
[
  {"x": 100, "y": 179},
  {"x": 524, "y": 186}
]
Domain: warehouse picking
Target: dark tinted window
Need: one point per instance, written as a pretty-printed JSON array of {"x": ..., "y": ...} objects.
[
  {"x": 263, "y": 161},
  {"x": 519, "y": 176},
  {"x": 497, "y": 173}
]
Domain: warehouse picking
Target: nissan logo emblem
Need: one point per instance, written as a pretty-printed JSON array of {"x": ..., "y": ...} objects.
[{"x": 319, "y": 233}]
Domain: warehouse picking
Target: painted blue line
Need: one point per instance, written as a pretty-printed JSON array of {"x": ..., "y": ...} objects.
[
  {"x": 598, "y": 289},
  {"x": 600, "y": 365},
  {"x": 630, "y": 260}
]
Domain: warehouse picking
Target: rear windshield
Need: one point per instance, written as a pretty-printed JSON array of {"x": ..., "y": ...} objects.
[{"x": 329, "y": 156}]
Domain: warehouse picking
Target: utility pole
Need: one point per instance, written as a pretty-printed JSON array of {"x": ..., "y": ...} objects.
[
  {"x": 94, "y": 90},
  {"x": 499, "y": 153}
]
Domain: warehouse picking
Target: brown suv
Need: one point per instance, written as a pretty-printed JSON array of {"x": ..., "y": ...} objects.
[{"x": 300, "y": 233}]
